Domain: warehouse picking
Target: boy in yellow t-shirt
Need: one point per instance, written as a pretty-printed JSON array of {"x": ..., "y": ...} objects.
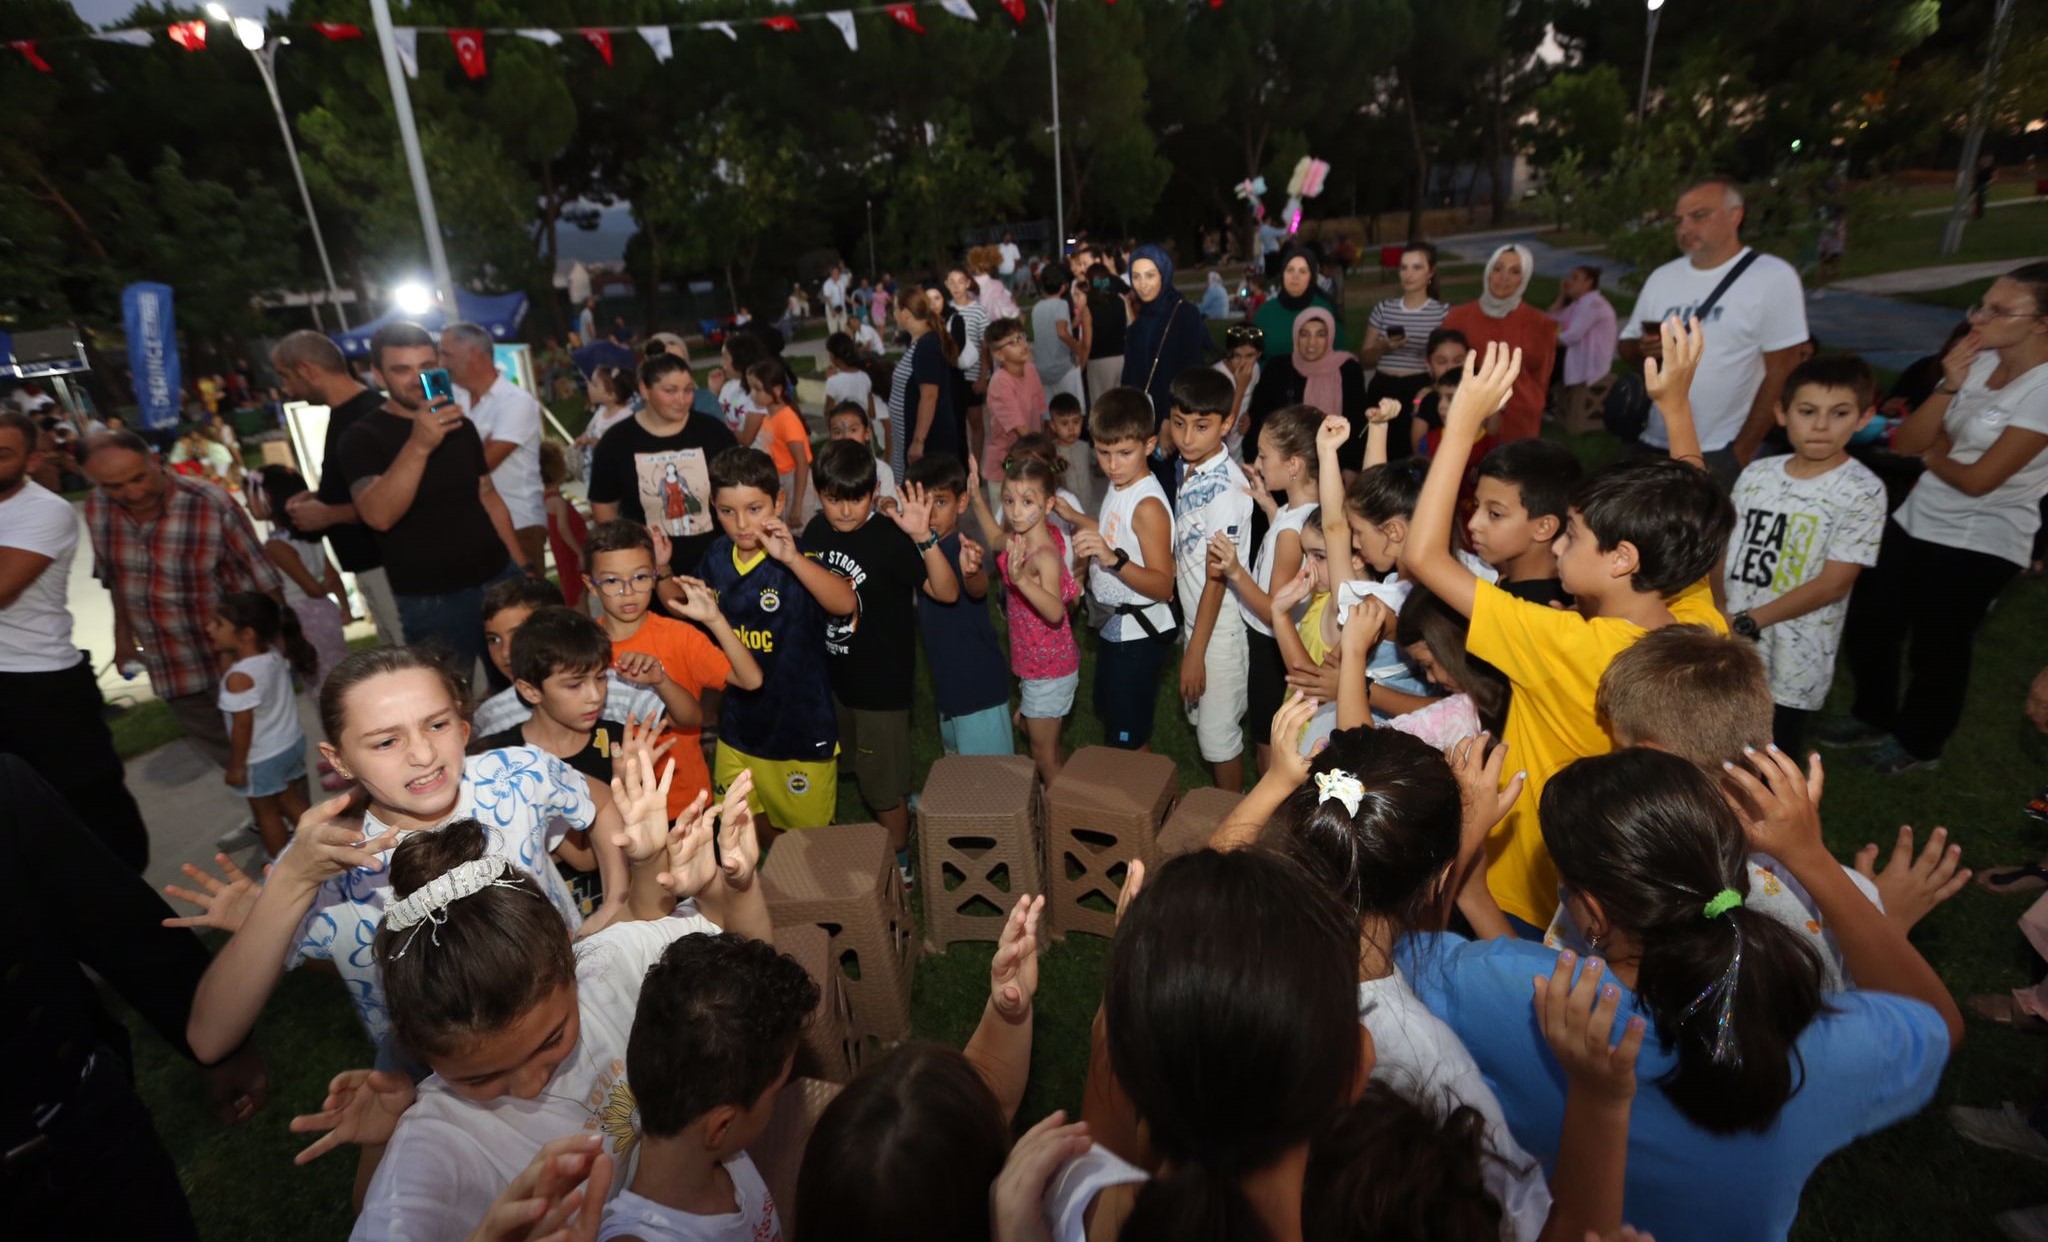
[{"x": 1642, "y": 538}]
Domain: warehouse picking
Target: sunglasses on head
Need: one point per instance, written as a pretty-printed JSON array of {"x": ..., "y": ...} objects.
[{"x": 1244, "y": 334}]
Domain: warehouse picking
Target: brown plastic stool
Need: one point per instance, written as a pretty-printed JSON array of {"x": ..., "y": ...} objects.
[
  {"x": 844, "y": 879},
  {"x": 977, "y": 840},
  {"x": 1198, "y": 814},
  {"x": 830, "y": 1049},
  {"x": 1103, "y": 810},
  {"x": 779, "y": 1152}
]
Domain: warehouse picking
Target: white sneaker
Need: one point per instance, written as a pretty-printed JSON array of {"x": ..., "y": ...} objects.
[
  {"x": 238, "y": 837},
  {"x": 2004, "y": 1127}
]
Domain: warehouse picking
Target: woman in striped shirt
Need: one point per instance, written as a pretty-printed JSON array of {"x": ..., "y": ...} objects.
[{"x": 1395, "y": 333}]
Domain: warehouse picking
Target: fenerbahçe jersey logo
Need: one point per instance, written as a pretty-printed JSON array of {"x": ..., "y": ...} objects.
[
  {"x": 799, "y": 784},
  {"x": 771, "y": 600}
]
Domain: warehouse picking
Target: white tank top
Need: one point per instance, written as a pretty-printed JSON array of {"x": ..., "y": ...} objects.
[
  {"x": 1077, "y": 1183},
  {"x": 1289, "y": 517},
  {"x": 310, "y": 555},
  {"x": 1119, "y": 508}
]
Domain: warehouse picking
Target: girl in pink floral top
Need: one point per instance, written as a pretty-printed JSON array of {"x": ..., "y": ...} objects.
[{"x": 1043, "y": 652}]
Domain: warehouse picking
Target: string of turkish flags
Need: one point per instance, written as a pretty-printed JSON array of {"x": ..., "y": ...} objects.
[{"x": 468, "y": 42}]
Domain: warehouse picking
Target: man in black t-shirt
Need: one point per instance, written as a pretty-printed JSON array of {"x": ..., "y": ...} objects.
[
  {"x": 418, "y": 477},
  {"x": 655, "y": 467},
  {"x": 310, "y": 368}
]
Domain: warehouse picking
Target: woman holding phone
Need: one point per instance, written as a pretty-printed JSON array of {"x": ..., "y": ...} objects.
[{"x": 1395, "y": 333}]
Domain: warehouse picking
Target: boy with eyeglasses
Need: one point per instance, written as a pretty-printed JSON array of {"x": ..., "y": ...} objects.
[{"x": 673, "y": 659}]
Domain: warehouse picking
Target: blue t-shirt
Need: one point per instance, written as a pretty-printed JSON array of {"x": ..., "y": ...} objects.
[
  {"x": 1870, "y": 1060},
  {"x": 790, "y": 716},
  {"x": 970, "y": 673}
]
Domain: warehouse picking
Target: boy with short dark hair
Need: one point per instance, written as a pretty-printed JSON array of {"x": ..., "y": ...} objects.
[
  {"x": 778, "y": 598},
  {"x": 506, "y": 607},
  {"x": 1130, "y": 546},
  {"x": 1806, "y": 524},
  {"x": 970, "y": 673},
  {"x": 849, "y": 421},
  {"x": 1640, "y": 540},
  {"x": 1520, "y": 507},
  {"x": 872, "y": 655},
  {"x": 672, "y": 660},
  {"x": 1083, "y": 475},
  {"x": 713, "y": 1042},
  {"x": 1214, "y": 502}
]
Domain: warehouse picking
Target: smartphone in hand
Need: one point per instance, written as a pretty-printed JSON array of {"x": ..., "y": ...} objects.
[{"x": 437, "y": 386}]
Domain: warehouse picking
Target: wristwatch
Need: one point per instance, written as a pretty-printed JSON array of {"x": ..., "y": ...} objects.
[
  {"x": 1745, "y": 626},
  {"x": 1945, "y": 386},
  {"x": 1123, "y": 558},
  {"x": 927, "y": 543}
]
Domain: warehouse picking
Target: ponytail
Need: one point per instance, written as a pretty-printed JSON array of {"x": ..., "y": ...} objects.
[
  {"x": 1193, "y": 1202},
  {"x": 298, "y": 653},
  {"x": 1650, "y": 837},
  {"x": 918, "y": 304}
]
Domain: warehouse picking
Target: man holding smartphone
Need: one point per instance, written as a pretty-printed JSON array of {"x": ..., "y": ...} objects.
[{"x": 417, "y": 472}]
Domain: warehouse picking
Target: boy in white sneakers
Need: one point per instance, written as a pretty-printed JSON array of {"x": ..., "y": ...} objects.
[{"x": 1214, "y": 500}]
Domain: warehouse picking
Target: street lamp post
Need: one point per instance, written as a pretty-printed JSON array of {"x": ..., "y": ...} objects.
[
  {"x": 1059, "y": 192},
  {"x": 415, "y": 162},
  {"x": 1973, "y": 142},
  {"x": 1649, "y": 46},
  {"x": 264, "y": 53},
  {"x": 874, "y": 273}
]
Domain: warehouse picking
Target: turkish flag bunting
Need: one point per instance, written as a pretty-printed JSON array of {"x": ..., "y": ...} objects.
[
  {"x": 338, "y": 31},
  {"x": 189, "y": 35},
  {"x": 27, "y": 47},
  {"x": 780, "y": 24},
  {"x": 906, "y": 17},
  {"x": 601, "y": 40},
  {"x": 1015, "y": 8},
  {"x": 469, "y": 49}
]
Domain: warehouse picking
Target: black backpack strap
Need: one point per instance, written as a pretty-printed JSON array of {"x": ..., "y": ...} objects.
[{"x": 1734, "y": 274}]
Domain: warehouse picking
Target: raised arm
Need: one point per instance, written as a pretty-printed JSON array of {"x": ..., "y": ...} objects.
[
  {"x": 1427, "y": 553},
  {"x": 833, "y": 593},
  {"x": 1330, "y": 437},
  {"x": 1000, "y": 1047},
  {"x": 1669, "y": 383},
  {"x": 1922, "y": 427}
]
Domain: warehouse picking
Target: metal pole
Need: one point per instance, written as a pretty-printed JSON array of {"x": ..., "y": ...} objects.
[
  {"x": 266, "y": 66},
  {"x": 1649, "y": 46},
  {"x": 1059, "y": 191},
  {"x": 409, "y": 135},
  {"x": 874, "y": 273},
  {"x": 1980, "y": 116}
]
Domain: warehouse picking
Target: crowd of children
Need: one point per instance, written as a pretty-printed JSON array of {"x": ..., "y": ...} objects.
[{"x": 1528, "y": 929}]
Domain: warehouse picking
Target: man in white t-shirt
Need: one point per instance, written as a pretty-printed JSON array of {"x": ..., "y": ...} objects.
[
  {"x": 834, "y": 292},
  {"x": 1754, "y": 333},
  {"x": 508, "y": 419},
  {"x": 51, "y": 716}
]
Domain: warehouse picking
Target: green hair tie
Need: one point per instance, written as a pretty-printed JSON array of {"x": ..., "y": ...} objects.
[{"x": 1724, "y": 901}]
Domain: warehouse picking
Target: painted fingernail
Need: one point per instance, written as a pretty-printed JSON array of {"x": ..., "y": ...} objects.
[
  {"x": 1749, "y": 750},
  {"x": 1567, "y": 957},
  {"x": 1593, "y": 965},
  {"x": 1728, "y": 764},
  {"x": 1610, "y": 992},
  {"x": 1773, "y": 748}
]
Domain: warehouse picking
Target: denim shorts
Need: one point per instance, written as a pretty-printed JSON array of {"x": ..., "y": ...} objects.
[
  {"x": 986, "y": 732},
  {"x": 1049, "y": 698},
  {"x": 269, "y": 776}
]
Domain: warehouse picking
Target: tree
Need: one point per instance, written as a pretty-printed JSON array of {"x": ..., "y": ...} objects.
[
  {"x": 1583, "y": 111},
  {"x": 952, "y": 182},
  {"x": 715, "y": 209}
]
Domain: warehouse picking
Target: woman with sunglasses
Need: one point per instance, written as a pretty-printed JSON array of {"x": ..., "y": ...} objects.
[{"x": 1966, "y": 530}]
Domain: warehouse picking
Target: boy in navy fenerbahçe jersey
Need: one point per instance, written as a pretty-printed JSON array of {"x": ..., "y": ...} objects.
[{"x": 777, "y": 599}]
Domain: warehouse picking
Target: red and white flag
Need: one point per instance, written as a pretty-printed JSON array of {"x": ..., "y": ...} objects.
[
  {"x": 469, "y": 49},
  {"x": 843, "y": 22},
  {"x": 906, "y": 17},
  {"x": 659, "y": 39},
  {"x": 601, "y": 40},
  {"x": 1015, "y": 8},
  {"x": 189, "y": 35},
  {"x": 779, "y": 24},
  {"x": 338, "y": 31},
  {"x": 405, "y": 40},
  {"x": 960, "y": 9},
  {"x": 27, "y": 47}
]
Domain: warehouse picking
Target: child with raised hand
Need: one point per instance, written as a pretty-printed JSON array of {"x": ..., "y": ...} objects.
[
  {"x": 970, "y": 678},
  {"x": 782, "y": 729},
  {"x": 1282, "y": 482},
  {"x": 782, "y": 436},
  {"x": 713, "y": 1042},
  {"x": 871, "y": 656},
  {"x": 1042, "y": 590},
  {"x": 1641, "y": 539},
  {"x": 259, "y": 646},
  {"x": 909, "y": 1150},
  {"x": 525, "y": 1035},
  {"x": 1759, "y": 1075},
  {"x": 393, "y": 719}
]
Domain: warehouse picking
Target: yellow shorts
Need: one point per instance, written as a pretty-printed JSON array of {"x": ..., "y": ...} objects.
[{"x": 793, "y": 793}]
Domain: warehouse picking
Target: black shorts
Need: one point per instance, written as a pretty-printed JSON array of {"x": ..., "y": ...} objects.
[{"x": 1127, "y": 687}]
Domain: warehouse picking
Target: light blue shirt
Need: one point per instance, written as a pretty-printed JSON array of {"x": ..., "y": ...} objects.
[{"x": 1870, "y": 1059}]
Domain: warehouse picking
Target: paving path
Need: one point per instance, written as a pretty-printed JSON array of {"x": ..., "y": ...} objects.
[{"x": 1926, "y": 279}]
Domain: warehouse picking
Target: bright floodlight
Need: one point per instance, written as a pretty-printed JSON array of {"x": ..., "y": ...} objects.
[
  {"x": 218, "y": 12},
  {"x": 250, "y": 32},
  {"x": 413, "y": 298},
  {"x": 1654, "y": 4}
]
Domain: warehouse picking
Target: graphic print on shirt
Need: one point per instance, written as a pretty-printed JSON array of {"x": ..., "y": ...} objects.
[
  {"x": 614, "y": 1111},
  {"x": 672, "y": 487},
  {"x": 1774, "y": 550},
  {"x": 839, "y": 630}
]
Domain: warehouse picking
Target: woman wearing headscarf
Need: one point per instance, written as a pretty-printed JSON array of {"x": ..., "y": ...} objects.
[
  {"x": 1317, "y": 373},
  {"x": 1165, "y": 336},
  {"x": 1500, "y": 315},
  {"x": 1297, "y": 292},
  {"x": 1216, "y": 298}
]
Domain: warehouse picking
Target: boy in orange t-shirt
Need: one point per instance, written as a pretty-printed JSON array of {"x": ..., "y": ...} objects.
[{"x": 672, "y": 658}]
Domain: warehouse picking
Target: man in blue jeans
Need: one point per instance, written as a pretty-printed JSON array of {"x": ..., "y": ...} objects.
[{"x": 419, "y": 480}]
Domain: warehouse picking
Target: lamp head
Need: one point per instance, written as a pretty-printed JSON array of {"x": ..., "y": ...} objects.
[{"x": 413, "y": 298}]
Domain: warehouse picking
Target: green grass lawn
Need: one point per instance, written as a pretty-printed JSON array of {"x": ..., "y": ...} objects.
[
  {"x": 1959, "y": 297},
  {"x": 1905, "y": 241},
  {"x": 1916, "y": 1181}
]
